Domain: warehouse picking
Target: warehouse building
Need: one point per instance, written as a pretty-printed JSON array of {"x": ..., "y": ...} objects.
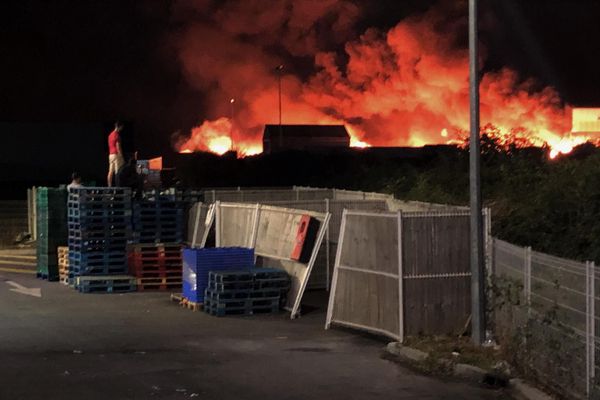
[{"x": 304, "y": 137}]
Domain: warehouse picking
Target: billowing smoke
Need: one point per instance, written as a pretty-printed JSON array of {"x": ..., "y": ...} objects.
[{"x": 407, "y": 86}]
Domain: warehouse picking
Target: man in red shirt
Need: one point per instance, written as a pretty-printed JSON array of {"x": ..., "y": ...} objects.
[{"x": 115, "y": 153}]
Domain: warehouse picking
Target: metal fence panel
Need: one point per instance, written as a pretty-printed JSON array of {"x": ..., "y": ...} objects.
[{"x": 556, "y": 314}]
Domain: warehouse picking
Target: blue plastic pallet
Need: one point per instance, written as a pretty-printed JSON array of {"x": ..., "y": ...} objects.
[
  {"x": 222, "y": 310},
  {"x": 78, "y": 270},
  {"x": 85, "y": 214},
  {"x": 99, "y": 225},
  {"x": 247, "y": 275},
  {"x": 97, "y": 242},
  {"x": 105, "y": 284},
  {"x": 100, "y": 190},
  {"x": 248, "y": 294},
  {"x": 97, "y": 255},
  {"x": 47, "y": 277}
]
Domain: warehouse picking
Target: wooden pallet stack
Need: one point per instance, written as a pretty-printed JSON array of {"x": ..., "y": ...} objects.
[{"x": 63, "y": 264}]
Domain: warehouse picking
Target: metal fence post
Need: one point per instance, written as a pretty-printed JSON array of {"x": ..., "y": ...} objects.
[
  {"x": 528, "y": 281},
  {"x": 29, "y": 213},
  {"x": 327, "y": 249},
  {"x": 257, "y": 212},
  {"x": 590, "y": 358},
  {"x": 400, "y": 281},
  {"x": 34, "y": 207},
  {"x": 217, "y": 224}
]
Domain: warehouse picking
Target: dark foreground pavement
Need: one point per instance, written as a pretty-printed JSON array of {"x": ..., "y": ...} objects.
[{"x": 67, "y": 345}]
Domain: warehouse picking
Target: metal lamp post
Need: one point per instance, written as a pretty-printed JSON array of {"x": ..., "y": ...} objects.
[
  {"x": 232, "y": 102},
  {"x": 477, "y": 264},
  {"x": 279, "y": 73}
]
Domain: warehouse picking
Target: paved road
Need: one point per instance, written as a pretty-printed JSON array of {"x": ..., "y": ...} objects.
[{"x": 67, "y": 345}]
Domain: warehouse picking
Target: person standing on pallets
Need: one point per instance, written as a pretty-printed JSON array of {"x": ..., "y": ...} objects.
[{"x": 115, "y": 153}]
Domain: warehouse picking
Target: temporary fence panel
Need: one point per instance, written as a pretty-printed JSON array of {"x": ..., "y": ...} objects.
[
  {"x": 236, "y": 224},
  {"x": 323, "y": 269},
  {"x": 195, "y": 224},
  {"x": 366, "y": 291},
  {"x": 272, "y": 232},
  {"x": 558, "y": 302},
  {"x": 436, "y": 272},
  {"x": 419, "y": 206},
  {"x": 417, "y": 264},
  {"x": 318, "y": 277},
  {"x": 266, "y": 195},
  {"x": 200, "y": 219}
]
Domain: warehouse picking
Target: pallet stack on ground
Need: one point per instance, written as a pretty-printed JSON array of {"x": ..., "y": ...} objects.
[
  {"x": 51, "y": 209},
  {"x": 156, "y": 266},
  {"x": 63, "y": 264},
  {"x": 246, "y": 292},
  {"x": 158, "y": 219},
  {"x": 198, "y": 262},
  {"x": 99, "y": 230}
]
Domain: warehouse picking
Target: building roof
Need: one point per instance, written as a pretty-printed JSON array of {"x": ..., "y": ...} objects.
[{"x": 329, "y": 131}]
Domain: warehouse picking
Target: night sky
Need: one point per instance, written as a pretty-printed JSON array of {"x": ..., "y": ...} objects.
[{"x": 91, "y": 62}]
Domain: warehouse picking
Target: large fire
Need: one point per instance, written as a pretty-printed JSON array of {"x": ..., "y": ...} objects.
[{"x": 405, "y": 87}]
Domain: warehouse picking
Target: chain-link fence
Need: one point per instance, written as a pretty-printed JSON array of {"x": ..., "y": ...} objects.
[{"x": 545, "y": 312}]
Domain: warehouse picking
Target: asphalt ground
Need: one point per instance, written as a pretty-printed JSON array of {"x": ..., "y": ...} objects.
[{"x": 66, "y": 345}]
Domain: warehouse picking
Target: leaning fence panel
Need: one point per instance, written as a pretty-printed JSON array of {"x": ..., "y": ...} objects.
[
  {"x": 366, "y": 290},
  {"x": 272, "y": 232}
]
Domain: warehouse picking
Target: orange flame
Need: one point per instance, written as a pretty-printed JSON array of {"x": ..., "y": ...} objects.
[
  {"x": 405, "y": 87},
  {"x": 213, "y": 136}
]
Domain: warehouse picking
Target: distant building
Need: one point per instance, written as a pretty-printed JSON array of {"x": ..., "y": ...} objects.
[
  {"x": 586, "y": 120},
  {"x": 304, "y": 137}
]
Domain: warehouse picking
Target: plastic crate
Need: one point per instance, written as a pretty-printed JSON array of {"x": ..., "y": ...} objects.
[{"x": 197, "y": 263}]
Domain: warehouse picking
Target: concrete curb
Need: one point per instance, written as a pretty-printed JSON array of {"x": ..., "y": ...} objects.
[
  {"x": 522, "y": 391},
  {"x": 517, "y": 388},
  {"x": 407, "y": 353}
]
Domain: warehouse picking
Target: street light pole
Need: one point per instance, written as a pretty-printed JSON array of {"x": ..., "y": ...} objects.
[
  {"x": 279, "y": 73},
  {"x": 232, "y": 102},
  {"x": 477, "y": 269}
]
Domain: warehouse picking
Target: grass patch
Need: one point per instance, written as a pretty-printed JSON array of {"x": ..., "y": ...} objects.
[{"x": 457, "y": 350}]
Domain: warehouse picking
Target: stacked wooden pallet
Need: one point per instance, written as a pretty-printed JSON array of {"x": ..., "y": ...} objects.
[{"x": 63, "y": 264}]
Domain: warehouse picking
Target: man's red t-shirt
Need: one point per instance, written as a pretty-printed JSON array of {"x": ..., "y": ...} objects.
[{"x": 113, "y": 138}]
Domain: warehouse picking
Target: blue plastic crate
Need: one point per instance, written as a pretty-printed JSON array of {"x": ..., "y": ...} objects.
[{"x": 197, "y": 263}]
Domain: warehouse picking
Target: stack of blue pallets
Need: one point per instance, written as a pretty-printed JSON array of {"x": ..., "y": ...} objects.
[
  {"x": 246, "y": 292},
  {"x": 197, "y": 263},
  {"x": 158, "y": 220},
  {"x": 99, "y": 221}
]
